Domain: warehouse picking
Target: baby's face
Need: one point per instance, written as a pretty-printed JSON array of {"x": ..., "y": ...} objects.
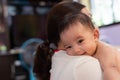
[{"x": 79, "y": 40}]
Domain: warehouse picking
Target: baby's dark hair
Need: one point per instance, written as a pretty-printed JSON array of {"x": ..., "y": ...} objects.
[
  {"x": 73, "y": 18},
  {"x": 59, "y": 18}
]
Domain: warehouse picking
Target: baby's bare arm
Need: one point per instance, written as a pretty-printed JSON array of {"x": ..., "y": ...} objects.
[
  {"x": 109, "y": 61},
  {"x": 110, "y": 68},
  {"x": 111, "y": 74}
]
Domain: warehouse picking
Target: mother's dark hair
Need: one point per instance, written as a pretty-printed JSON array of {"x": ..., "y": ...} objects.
[
  {"x": 56, "y": 15},
  {"x": 55, "y": 24}
]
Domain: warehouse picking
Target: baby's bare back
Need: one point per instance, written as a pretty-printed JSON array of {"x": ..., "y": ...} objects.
[{"x": 109, "y": 58}]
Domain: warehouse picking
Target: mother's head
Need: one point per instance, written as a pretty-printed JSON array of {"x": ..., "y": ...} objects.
[{"x": 57, "y": 16}]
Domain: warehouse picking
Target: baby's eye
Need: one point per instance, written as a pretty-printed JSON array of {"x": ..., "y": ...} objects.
[
  {"x": 80, "y": 41},
  {"x": 68, "y": 47}
]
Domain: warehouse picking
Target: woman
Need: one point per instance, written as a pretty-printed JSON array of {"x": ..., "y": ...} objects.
[{"x": 63, "y": 67}]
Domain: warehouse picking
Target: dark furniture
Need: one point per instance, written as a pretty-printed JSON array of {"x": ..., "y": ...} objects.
[{"x": 6, "y": 63}]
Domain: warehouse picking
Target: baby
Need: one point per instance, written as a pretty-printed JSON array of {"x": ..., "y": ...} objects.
[{"x": 80, "y": 37}]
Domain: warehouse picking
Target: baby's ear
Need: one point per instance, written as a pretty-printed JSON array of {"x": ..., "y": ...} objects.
[{"x": 96, "y": 33}]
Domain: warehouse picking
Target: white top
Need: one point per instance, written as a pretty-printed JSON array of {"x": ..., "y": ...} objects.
[{"x": 65, "y": 67}]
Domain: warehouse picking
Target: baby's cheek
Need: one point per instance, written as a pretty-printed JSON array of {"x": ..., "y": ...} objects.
[{"x": 68, "y": 52}]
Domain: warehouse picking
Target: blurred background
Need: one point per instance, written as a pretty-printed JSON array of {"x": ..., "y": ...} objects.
[{"x": 22, "y": 29}]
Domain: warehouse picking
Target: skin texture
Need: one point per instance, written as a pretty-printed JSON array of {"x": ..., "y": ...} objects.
[
  {"x": 81, "y": 40},
  {"x": 109, "y": 58}
]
